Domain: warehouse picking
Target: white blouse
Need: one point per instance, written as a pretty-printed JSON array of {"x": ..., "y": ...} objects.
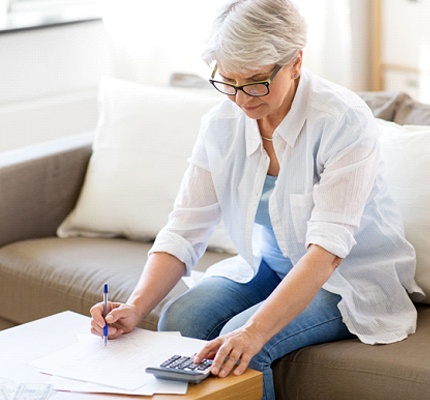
[{"x": 330, "y": 191}]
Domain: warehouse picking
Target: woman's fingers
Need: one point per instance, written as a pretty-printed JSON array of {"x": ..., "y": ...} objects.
[
  {"x": 229, "y": 362},
  {"x": 208, "y": 351},
  {"x": 98, "y": 321},
  {"x": 231, "y": 352},
  {"x": 233, "y": 357},
  {"x": 243, "y": 364}
]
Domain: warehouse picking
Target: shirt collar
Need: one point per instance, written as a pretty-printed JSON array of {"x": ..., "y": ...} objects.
[
  {"x": 252, "y": 135},
  {"x": 291, "y": 126}
]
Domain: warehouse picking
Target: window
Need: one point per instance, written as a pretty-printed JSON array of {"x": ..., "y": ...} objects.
[{"x": 31, "y": 14}]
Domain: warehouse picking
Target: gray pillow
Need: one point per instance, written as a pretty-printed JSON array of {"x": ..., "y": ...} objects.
[
  {"x": 411, "y": 112},
  {"x": 383, "y": 104}
]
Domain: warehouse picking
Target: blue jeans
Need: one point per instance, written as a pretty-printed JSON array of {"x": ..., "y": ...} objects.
[{"x": 218, "y": 305}]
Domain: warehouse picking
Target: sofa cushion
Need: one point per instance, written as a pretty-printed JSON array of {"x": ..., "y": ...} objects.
[
  {"x": 405, "y": 150},
  {"x": 411, "y": 112},
  {"x": 42, "y": 277},
  {"x": 384, "y": 104},
  {"x": 355, "y": 371},
  {"x": 143, "y": 139},
  {"x": 398, "y": 107}
]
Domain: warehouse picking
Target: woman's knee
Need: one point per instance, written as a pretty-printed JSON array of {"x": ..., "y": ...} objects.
[
  {"x": 179, "y": 316},
  {"x": 193, "y": 315},
  {"x": 240, "y": 319}
]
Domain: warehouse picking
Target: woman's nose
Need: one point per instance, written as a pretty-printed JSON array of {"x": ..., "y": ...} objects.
[{"x": 242, "y": 98}]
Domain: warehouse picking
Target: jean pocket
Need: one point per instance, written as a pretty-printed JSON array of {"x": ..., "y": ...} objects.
[{"x": 301, "y": 210}]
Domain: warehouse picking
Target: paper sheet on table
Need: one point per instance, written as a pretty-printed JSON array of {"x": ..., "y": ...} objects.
[
  {"x": 121, "y": 364},
  {"x": 153, "y": 386}
]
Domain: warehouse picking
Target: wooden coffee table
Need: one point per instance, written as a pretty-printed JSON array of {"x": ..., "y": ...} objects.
[
  {"x": 21, "y": 344},
  {"x": 245, "y": 387}
]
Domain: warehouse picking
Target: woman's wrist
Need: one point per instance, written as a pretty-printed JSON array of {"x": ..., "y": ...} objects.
[
  {"x": 137, "y": 302},
  {"x": 259, "y": 331}
]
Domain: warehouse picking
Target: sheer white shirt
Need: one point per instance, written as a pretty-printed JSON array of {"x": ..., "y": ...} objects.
[{"x": 330, "y": 191}]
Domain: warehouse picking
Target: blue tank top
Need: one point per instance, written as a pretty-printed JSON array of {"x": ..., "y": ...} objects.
[{"x": 269, "y": 248}]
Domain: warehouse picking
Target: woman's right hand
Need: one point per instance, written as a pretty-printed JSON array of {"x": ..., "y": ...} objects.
[{"x": 122, "y": 318}]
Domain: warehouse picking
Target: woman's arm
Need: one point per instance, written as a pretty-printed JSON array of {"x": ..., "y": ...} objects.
[
  {"x": 161, "y": 273},
  {"x": 296, "y": 290},
  {"x": 195, "y": 215}
]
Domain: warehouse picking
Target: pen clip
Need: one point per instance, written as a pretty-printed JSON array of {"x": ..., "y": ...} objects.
[
  {"x": 105, "y": 312},
  {"x": 105, "y": 299}
]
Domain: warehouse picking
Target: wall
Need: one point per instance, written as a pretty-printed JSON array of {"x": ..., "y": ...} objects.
[
  {"x": 49, "y": 77},
  {"x": 49, "y": 80},
  {"x": 150, "y": 41},
  {"x": 339, "y": 40},
  {"x": 405, "y": 53},
  {"x": 338, "y": 51}
]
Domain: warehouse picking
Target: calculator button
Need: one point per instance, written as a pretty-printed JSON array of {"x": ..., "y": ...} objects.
[{"x": 185, "y": 363}]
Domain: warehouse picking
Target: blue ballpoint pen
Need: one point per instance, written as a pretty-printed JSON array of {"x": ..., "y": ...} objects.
[{"x": 105, "y": 312}]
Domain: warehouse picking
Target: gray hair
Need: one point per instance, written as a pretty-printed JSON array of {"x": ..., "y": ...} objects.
[{"x": 255, "y": 33}]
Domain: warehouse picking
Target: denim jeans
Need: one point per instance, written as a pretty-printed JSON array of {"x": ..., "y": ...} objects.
[{"x": 218, "y": 305}]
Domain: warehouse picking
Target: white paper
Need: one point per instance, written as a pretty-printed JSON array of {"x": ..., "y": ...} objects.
[
  {"x": 121, "y": 364},
  {"x": 153, "y": 386},
  {"x": 21, "y": 390}
]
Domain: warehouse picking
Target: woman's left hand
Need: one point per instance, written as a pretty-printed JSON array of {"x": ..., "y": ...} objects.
[{"x": 234, "y": 348}]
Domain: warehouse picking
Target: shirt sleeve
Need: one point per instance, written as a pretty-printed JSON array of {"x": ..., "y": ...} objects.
[{"x": 348, "y": 158}]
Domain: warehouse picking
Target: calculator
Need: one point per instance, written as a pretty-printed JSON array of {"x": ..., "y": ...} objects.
[{"x": 182, "y": 368}]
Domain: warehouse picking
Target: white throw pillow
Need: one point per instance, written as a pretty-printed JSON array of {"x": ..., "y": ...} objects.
[
  {"x": 406, "y": 153},
  {"x": 143, "y": 139}
]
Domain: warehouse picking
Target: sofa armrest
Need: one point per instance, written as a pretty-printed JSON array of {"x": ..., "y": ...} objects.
[{"x": 39, "y": 185}]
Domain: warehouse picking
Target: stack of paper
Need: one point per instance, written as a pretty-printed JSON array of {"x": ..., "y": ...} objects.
[
  {"x": 119, "y": 367},
  {"x": 10, "y": 390}
]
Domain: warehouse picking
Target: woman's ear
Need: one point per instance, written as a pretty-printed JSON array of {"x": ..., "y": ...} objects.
[{"x": 297, "y": 65}]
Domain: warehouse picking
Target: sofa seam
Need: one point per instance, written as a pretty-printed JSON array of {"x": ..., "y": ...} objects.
[{"x": 370, "y": 373}]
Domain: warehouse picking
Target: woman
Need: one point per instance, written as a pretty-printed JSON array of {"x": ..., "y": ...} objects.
[{"x": 290, "y": 162}]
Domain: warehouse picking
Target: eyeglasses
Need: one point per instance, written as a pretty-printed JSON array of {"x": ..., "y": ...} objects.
[{"x": 254, "y": 89}]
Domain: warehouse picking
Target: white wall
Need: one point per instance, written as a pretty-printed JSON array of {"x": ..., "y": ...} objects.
[
  {"x": 48, "y": 82},
  {"x": 339, "y": 37},
  {"x": 150, "y": 43},
  {"x": 152, "y": 40},
  {"x": 49, "y": 77}
]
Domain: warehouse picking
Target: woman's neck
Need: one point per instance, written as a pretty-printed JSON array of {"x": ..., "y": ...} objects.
[{"x": 270, "y": 122}]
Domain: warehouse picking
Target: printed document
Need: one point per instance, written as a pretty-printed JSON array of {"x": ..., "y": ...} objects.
[{"x": 120, "y": 366}]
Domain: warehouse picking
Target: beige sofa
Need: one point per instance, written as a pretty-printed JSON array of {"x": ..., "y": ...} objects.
[{"x": 42, "y": 274}]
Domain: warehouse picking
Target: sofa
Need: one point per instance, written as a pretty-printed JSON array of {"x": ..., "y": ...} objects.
[{"x": 82, "y": 211}]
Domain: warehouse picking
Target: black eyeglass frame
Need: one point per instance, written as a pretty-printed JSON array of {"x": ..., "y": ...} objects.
[{"x": 266, "y": 83}]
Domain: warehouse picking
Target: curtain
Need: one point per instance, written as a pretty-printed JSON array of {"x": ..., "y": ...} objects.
[
  {"x": 338, "y": 40},
  {"x": 152, "y": 40}
]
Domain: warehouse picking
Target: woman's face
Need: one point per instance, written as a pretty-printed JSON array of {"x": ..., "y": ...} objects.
[{"x": 282, "y": 90}]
